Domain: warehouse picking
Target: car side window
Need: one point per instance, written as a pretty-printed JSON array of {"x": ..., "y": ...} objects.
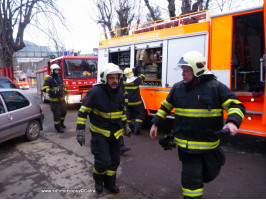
[
  {"x": 14, "y": 100},
  {"x": 2, "y": 109}
]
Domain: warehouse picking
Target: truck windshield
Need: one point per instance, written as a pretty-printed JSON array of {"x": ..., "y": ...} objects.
[{"x": 80, "y": 68}]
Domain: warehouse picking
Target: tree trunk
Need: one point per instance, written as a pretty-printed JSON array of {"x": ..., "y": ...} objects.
[
  {"x": 171, "y": 8},
  {"x": 186, "y": 7},
  {"x": 147, "y": 3}
]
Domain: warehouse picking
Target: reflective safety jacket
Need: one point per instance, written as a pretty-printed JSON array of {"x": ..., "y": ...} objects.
[
  {"x": 105, "y": 108},
  {"x": 132, "y": 89},
  {"x": 198, "y": 109},
  {"x": 52, "y": 83}
]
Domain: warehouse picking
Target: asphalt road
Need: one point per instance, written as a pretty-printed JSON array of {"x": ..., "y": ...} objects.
[{"x": 57, "y": 162}]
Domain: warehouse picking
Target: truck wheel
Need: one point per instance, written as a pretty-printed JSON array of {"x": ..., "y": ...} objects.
[
  {"x": 33, "y": 130},
  {"x": 43, "y": 98}
]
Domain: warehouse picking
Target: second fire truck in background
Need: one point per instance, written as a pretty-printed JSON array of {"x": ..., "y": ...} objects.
[{"x": 78, "y": 72}]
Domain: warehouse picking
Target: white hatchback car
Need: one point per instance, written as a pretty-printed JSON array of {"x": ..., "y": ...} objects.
[{"x": 20, "y": 114}]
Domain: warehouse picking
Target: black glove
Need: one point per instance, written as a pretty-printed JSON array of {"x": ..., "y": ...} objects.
[
  {"x": 127, "y": 130},
  {"x": 81, "y": 137},
  {"x": 167, "y": 142},
  {"x": 51, "y": 92}
]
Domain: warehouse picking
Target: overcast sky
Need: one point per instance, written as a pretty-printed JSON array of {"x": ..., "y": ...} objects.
[{"x": 83, "y": 33}]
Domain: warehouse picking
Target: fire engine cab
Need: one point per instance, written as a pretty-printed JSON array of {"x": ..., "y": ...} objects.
[{"x": 232, "y": 42}]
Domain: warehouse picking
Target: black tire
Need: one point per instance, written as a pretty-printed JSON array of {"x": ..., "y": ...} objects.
[
  {"x": 43, "y": 99},
  {"x": 33, "y": 130}
]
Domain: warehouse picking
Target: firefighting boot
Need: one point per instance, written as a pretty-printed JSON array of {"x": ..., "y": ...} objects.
[
  {"x": 62, "y": 124},
  {"x": 58, "y": 128},
  {"x": 137, "y": 128},
  {"x": 98, "y": 179},
  {"x": 109, "y": 183}
]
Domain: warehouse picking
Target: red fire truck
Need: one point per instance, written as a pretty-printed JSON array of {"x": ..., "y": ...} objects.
[{"x": 78, "y": 72}]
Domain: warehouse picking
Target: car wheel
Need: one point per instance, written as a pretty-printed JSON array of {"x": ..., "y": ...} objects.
[
  {"x": 33, "y": 130},
  {"x": 43, "y": 98}
]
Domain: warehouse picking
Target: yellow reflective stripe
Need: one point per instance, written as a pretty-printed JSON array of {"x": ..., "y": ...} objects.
[
  {"x": 167, "y": 105},
  {"x": 81, "y": 120},
  {"x": 161, "y": 113},
  {"x": 44, "y": 87},
  {"x": 95, "y": 172},
  {"x": 198, "y": 112},
  {"x": 104, "y": 132},
  {"x": 111, "y": 115},
  {"x": 55, "y": 99},
  {"x": 129, "y": 121},
  {"x": 134, "y": 103},
  {"x": 85, "y": 109},
  {"x": 62, "y": 118},
  {"x": 118, "y": 133},
  {"x": 138, "y": 120},
  {"x": 228, "y": 103},
  {"x": 125, "y": 83},
  {"x": 192, "y": 193},
  {"x": 126, "y": 100},
  {"x": 143, "y": 75},
  {"x": 110, "y": 173},
  {"x": 124, "y": 117},
  {"x": 237, "y": 111},
  {"x": 56, "y": 122},
  {"x": 131, "y": 87},
  {"x": 196, "y": 145}
]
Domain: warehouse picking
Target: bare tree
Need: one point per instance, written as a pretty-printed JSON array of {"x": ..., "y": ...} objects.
[
  {"x": 125, "y": 15},
  {"x": 171, "y": 8},
  {"x": 17, "y": 15},
  {"x": 188, "y": 6},
  {"x": 157, "y": 13},
  {"x": 105, "y": 15},
  {"x": 151, "y": 10}
]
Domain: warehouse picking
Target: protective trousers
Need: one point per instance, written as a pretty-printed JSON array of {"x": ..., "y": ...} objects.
[
  {"x": 135, "y": 112},
  {"x": 59, "y": 109},
  {"x": 198, "y": 169},
  {"x": 106, "y": 153}
]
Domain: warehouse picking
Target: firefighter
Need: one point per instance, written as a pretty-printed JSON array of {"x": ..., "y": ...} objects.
[
  {"x": 104, "y": 103},
  {"x": 135, "y": 106},
  {"x": 199, "y": 101},
  {"x": 55, "y": 87}
]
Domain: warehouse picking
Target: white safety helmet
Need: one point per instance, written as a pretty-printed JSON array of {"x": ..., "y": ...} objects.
[
  {"x": 54, "y": 66},
  {"x": 128, "y": 73},
  {"x": 110, "y": 68},
  {"x": 196, "y": 61}
]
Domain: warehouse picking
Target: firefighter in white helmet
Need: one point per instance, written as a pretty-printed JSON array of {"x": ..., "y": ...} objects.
[
  {"x": 135, "y": 105},
  {"x": 105, "y": 104},
  {"x": 55, "y": 87},
  {"x": 198, "y": 102}
]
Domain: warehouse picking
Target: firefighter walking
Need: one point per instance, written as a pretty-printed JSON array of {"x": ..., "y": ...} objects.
[
  {"x": 135, "y": 105},
  {"x": 199, "y": 101},
  {"x": 55, "y": 87},
  {"x": 104, "y": 104}
]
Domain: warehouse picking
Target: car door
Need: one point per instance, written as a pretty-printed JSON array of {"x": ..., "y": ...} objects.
[
  {"x": 18, "y": 110},
  {"x": 6, "y": 130}
]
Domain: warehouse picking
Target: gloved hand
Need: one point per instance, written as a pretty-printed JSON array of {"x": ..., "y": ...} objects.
[
  {"x": 51, "y": 91},
  {"x": 127, "y": 130},
  {"x": 167, "y": 142},
  {"x": 81, "y": 137}
]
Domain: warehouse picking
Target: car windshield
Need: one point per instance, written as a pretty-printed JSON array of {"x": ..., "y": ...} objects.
[
  {"x": 5, "y": 83},
  {"x": 80, "y": 68}
]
